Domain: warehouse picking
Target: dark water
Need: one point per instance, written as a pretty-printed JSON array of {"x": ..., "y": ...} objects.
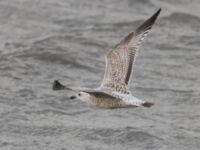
[{"x": 67, "y": 39}]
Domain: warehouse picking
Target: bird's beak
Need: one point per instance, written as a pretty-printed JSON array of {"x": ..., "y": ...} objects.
[{"x": 72, "y": 97}]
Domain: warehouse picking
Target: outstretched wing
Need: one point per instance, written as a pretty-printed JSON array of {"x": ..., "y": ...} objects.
[{"x": 119, "y": 61}]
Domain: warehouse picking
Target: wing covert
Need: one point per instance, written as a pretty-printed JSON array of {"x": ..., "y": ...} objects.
[{"x": 119, "y": 61}]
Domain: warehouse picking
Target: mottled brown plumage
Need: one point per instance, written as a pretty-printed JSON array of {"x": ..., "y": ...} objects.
[
  {"x": 114, "y": 90},
  {"x": 119, "y": 61}
]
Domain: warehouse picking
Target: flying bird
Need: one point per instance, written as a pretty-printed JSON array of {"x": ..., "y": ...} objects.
[{"x": 114, "y": 90}]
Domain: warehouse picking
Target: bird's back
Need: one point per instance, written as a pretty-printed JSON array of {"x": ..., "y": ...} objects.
[{"x": 105, "y": 100}]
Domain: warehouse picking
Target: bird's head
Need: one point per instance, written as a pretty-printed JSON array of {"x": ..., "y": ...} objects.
[{"x": 82, "y": 96}]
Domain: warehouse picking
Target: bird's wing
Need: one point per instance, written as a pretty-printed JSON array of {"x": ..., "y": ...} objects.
[
  {"x": 59, "y": 86},
  {"x": 119, "y": 60}
]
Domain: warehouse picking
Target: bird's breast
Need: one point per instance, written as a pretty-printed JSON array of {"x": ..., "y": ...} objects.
[{"x": 106, "y": 102}]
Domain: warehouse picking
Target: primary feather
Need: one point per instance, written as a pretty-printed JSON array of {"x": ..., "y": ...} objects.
[{"x": 119, "y": 61}]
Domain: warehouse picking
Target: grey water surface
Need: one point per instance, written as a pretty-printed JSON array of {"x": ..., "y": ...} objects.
[{"x": 44, "y": 40}]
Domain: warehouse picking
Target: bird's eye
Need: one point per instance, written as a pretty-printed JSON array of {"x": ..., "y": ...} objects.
[{"x": 79, "y": 94}]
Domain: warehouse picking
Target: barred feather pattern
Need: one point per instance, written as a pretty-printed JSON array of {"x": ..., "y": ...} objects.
[{"x": 119, "y": 61}]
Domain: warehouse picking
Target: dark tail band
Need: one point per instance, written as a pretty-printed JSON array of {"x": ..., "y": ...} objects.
[{"x": 148, "y": 104}]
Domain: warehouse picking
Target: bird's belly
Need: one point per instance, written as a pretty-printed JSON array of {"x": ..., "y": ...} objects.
[{"x": 107, "y": 102}]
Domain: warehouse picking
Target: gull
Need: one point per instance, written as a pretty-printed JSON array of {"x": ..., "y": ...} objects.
[{"x": 114, "y": 91}]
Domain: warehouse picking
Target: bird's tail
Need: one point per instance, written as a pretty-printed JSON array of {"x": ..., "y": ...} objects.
[{"x": 147, "y": 104}]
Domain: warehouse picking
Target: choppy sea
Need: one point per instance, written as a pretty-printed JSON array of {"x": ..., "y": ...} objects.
[{"x": 44, "y": 40}]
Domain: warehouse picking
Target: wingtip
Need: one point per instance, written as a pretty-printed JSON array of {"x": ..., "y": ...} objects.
[
  {"x": 57, "y": 85},
  {"x": 149, "y": 22},
  {"x": 158, "y": 12},
  {"x": 154, "y": 17}
]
